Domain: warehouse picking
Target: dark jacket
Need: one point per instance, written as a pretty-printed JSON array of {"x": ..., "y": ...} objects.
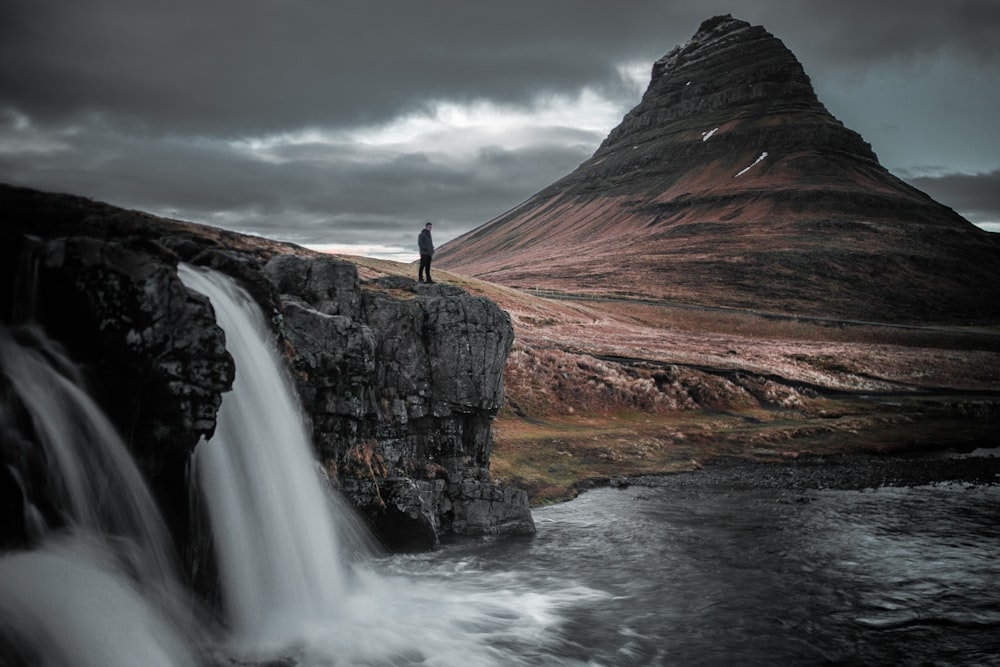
[{"x": 425, "y": 243}]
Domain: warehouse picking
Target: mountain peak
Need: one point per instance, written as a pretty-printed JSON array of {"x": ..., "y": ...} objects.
[
  {"x": 730, "y": 184},
  {"x": 726, "y": 71},
  {"x": 712, "y": 31}
]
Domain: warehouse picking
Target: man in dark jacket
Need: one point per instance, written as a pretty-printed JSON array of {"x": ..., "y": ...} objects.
[{"x": 426, "y": 246}]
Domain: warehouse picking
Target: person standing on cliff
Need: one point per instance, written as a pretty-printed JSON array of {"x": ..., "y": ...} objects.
[{"x": 426, "y": 246}]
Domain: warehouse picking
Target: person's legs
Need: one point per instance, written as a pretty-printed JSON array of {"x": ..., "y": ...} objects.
[{"x": 425, "y": 268}]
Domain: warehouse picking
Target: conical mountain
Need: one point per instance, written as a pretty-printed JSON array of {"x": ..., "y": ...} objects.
[{"x": 731, "y": 184}]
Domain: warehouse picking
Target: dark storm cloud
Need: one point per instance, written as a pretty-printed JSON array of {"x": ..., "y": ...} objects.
[
  {"x": 977, "y": 195},
  {"x": 248, "y": 67},
  {"x": 862, "y": 34},
  {"x": 158, "y": 105}
]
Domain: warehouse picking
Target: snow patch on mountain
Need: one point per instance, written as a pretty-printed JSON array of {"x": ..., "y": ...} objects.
[{"x": 746, "y": 169}]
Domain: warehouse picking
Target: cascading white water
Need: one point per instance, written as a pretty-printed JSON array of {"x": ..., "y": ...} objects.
[
  {"x": 94, "y": 482},
  {"x": 100, "y": 588},
  {"x": 274, "y": 527}
]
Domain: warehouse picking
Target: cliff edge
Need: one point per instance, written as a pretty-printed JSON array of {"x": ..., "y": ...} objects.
[{"x": 399, "y": 382}]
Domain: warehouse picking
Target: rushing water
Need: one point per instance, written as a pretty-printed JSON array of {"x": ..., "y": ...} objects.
[
  {"x": 100, "y": 589},
  {"x": 70, "y": 602},
  {"x": 94, "y": 483},
  {"x": 274, "y": 528},
  {"x": 620, "y": 577},
  {"x": 658, "y": 577}
]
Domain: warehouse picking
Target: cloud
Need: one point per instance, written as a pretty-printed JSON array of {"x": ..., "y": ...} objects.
[
  {"x": 851, "y": 38},
  {"x": 976, "y": 195},
  {"x": 308, "y": 187},
  {"x": 236, "y": 67},
  {"x": 255, "y": 67},
  {"x": 353, "y": 121}
]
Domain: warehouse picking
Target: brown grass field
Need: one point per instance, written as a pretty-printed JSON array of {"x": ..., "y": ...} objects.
[{"x": 598, "y": 389}]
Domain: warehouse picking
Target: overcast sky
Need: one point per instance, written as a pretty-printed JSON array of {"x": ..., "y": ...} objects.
[{"x": 351, "y": 122}]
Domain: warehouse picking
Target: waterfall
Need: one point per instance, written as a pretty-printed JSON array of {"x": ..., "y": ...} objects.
[
  {"x": 94, "y": 483},
  {"x": 274, "y": 525},
  {"x": 100, "y": 587},
  {"x": 282, "y": 540}
]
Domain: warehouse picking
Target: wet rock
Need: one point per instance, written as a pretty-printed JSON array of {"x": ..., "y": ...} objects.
[{"x": 485, "y": 508}]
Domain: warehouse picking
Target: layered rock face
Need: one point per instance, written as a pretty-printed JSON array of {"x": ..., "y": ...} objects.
[
  {"x": 730, "y": 184},
  {"x": 400, "y": 382}
]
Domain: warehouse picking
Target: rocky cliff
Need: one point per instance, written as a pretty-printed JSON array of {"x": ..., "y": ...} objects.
[
  {"x": 731, "y": 184},
  {"x": 399, "y": 381}
]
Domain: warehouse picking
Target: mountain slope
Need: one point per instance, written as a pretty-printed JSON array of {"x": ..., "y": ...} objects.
[{"x": 731, "y": 184}]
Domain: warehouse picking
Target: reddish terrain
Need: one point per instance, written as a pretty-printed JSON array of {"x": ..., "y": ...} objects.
[{"x": 601, "y": 388}]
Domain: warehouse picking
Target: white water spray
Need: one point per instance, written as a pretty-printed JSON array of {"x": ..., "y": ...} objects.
[
  {"x": 273, "y": 524},
  {"x": 101, "y": 588},
  {"x": 68, "y": 603},
  {"x": 96, "y": 484}
]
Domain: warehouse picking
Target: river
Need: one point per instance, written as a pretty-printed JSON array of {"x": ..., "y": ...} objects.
[{"x": 643, "y": 576}]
